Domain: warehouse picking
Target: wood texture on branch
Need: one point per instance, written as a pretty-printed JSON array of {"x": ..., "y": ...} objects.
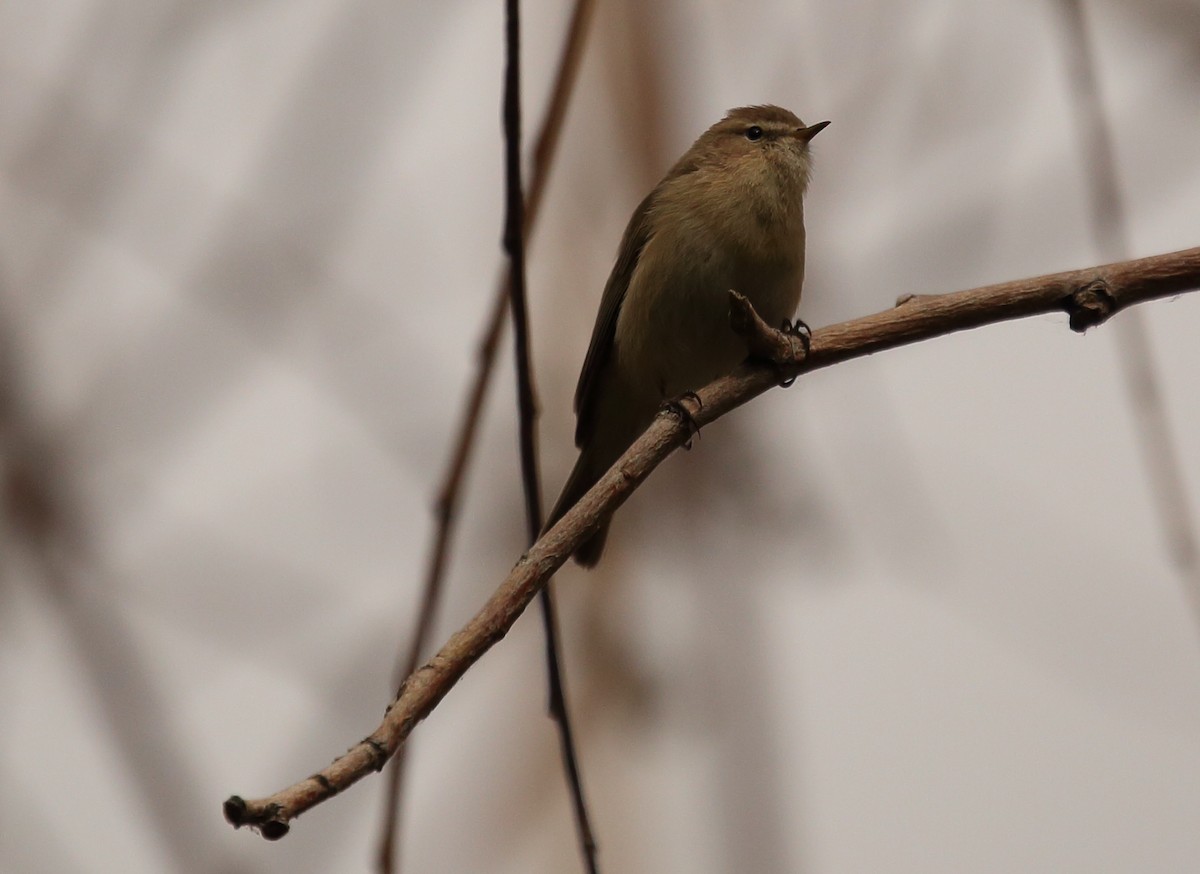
[{"x": 1088, "y": 297}]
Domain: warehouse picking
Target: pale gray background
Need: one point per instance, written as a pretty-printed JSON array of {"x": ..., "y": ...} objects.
[{"x": 913, "y": 615}]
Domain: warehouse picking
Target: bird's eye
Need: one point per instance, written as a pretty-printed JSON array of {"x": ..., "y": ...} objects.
[{"x": 754, "y": 133}]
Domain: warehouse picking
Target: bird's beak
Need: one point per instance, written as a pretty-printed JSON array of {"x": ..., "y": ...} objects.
[{"x": 804, "y": 134}]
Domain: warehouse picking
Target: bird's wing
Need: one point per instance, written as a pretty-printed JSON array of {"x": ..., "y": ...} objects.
[{"x": 603, "y": 334}]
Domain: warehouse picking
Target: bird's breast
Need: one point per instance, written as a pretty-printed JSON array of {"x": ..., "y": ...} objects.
[{"x": 673, "y": 333}]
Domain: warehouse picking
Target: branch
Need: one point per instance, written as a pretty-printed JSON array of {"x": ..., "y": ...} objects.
[
  {"x": 447, "y": 503},
  {"x": 1088, "y": 296},
  {"x": 514, "y": 245}
]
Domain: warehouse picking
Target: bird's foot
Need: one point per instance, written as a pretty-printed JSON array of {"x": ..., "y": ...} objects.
[
  {"x": 803, "y": 334},
  {"x": 676, "y": 407},
  {"x": 800, "y": 330},
  {"x": 784, "y": 348}
]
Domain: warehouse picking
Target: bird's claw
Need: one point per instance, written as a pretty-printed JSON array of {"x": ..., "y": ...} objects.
[
  {"x": 676, "y": 408},
  {"x": 800, "y": 330},
  {"x": 803, "y": 333}
]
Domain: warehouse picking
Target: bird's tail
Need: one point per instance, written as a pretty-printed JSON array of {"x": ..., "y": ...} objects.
[{"x": 583, "y": 476}]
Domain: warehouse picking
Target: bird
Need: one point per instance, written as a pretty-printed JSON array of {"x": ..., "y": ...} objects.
[{"x": 729, "y": 215}]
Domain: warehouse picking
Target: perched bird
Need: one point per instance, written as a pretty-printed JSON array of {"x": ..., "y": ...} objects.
[{"x": 729, "y": 215}]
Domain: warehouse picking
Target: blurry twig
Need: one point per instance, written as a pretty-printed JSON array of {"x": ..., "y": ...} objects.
[
  {"x": 448, "y": 496},
  {"x": 1089, "y": 296},
  {"x": 1160, "y": 455},
  {"x": 43, "y": 520}
]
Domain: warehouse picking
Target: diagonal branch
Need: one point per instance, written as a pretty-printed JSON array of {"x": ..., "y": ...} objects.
[{"x": 1088, "y": 296}]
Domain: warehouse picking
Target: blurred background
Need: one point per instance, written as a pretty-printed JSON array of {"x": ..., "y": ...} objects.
[{"x": 917, "y": 614}]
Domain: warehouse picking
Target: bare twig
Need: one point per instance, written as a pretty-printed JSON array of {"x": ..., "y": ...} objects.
[
  {"x": 1160, "y": 454},
  {"x": 1088, "y": 296},
  {"x": 448, "y": 495},
  {"x": 514, "y": 245}
]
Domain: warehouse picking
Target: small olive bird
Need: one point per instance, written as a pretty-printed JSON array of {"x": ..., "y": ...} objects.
[{"x": 729, "y": 215}]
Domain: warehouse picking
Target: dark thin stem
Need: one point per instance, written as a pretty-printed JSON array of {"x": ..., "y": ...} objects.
[
  {"x": 557, "y": 706},
  {"x": 557, "y": 698},
  {"x": 451, "y": 489},
  {"x": 514, "y": 244},
  {"x": 1160, "y": 454}
]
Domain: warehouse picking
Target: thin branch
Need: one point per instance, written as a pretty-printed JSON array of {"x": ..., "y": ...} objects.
[
  {"x": 446, "y": 506},
  {"x": 514, "y": 245},
  {"x": 1088, "y": 296},
  {"x": 1160, "y": 453},
  {"x": 546, "y": 146}
]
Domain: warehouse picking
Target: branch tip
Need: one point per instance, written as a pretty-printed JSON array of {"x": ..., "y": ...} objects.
[
  {"x": 274, "y": 829},
  {"x": 266, "y": 821},
  {"x": 235, "y": 810}
]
